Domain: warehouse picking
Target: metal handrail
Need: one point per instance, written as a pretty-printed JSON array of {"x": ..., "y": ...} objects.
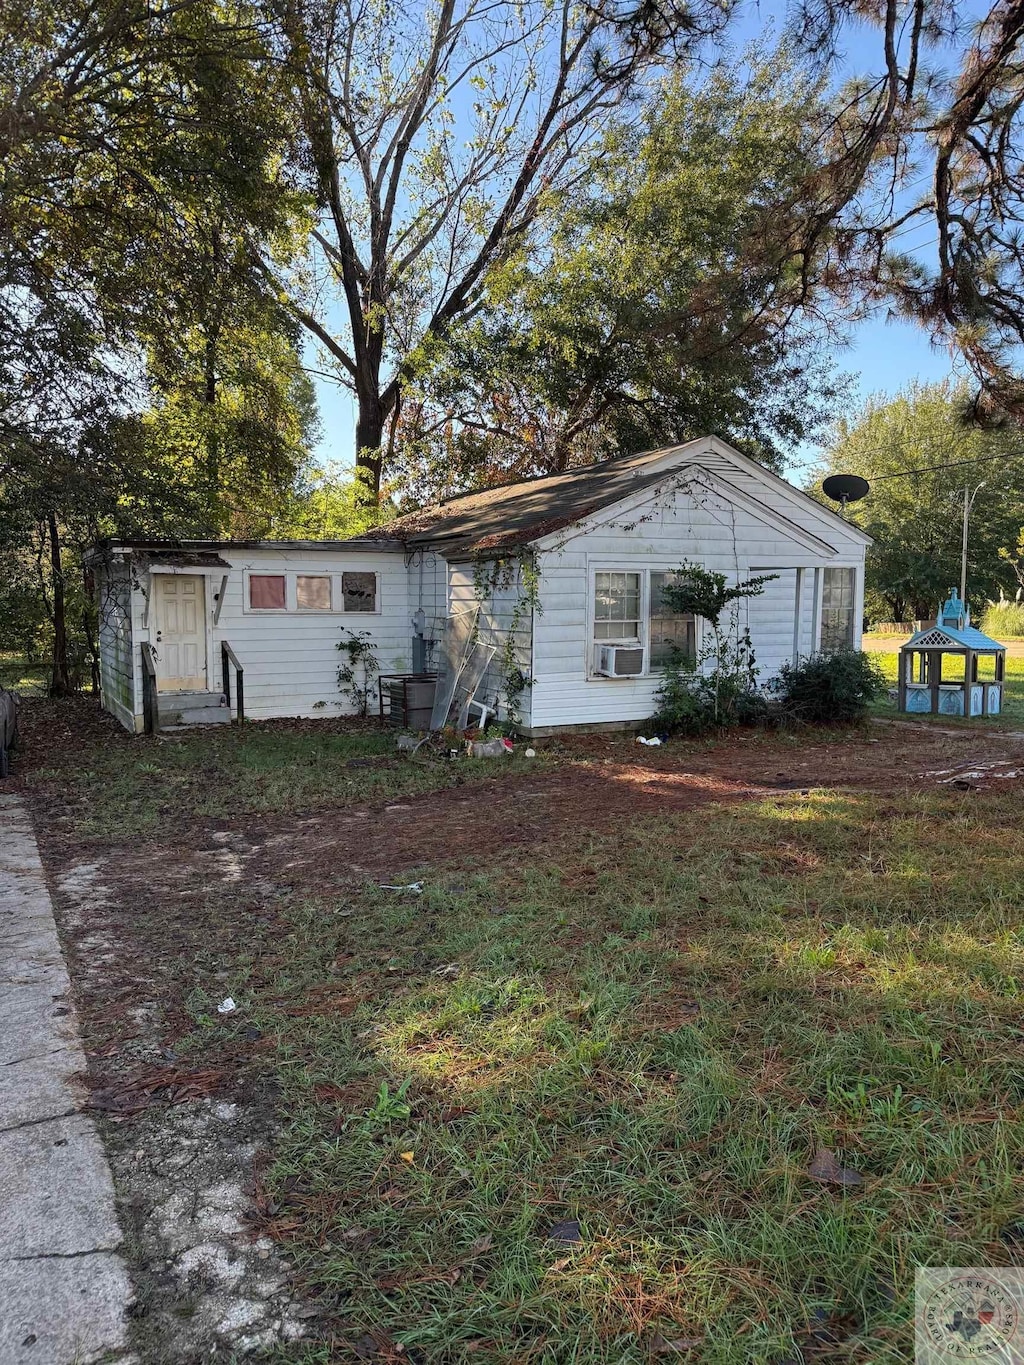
[
  {"x": 150, "y": 705},
  {"x": 229, "y": 660}
]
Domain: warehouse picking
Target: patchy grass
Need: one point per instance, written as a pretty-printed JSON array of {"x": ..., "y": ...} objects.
[
  {"x": 1013, "y": 711},
  {"x": 645, "y": 1033},
  {"x": 113, "y": 782},
  {"x": 651, "y": 1036}
]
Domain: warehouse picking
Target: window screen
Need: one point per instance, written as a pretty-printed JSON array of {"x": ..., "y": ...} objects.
[
  {"x": 837, "y": 609},
  {"x": 266, "y": 591},
  {"x": 313, "y": 592},
  {"x": 617, "y": 606},
  {"x": 359, "y": 591},
  {"x": 672, "y": 633}
]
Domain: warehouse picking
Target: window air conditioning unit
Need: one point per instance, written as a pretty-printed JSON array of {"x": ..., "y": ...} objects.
[{"x": 619, "y": 661}]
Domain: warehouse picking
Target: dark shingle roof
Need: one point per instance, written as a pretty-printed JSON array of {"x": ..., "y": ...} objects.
[{"x": 517, "y": 513}]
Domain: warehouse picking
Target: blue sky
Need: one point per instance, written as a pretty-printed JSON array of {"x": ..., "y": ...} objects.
[{"x": 884, "y": 354}]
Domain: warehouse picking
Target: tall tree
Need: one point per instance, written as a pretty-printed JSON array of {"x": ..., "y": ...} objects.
[
  {"x": 916, "y": 521},
  {"x": 930, "y": 140},
  {"x": 655, "y": 311},
  {"x": 430, "y": 135},
  {"x": 139, "y": 185}
]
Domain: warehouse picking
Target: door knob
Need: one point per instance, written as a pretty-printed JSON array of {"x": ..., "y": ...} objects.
[{"x": 159, "y": 636}]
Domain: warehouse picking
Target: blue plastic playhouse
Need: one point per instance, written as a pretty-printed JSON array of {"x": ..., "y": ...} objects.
[{"x": 924, "y": 689}]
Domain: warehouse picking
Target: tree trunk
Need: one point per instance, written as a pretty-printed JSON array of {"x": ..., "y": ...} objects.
[
  {"x": 60, "y": 680},
  {"x": 369, "y": 440},
  {"x": 88, "y": 628}
]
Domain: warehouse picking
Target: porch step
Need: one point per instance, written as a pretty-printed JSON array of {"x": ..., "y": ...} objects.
[{"x": 193, "y": 708}]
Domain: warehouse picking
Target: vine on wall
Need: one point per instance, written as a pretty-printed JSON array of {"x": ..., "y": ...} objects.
[
  {"x": 492, "y": 576},
  {"x": 360, "y": 667}
]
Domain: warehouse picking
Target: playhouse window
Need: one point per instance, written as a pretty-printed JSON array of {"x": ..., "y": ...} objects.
[
  {"x": 617, "y": 607},
  {"x": 313, "y": 592},
  {"x": 266, "y": 592},
  {"x": 838, "y": 605},
  {"x": 671, "y": 633}
]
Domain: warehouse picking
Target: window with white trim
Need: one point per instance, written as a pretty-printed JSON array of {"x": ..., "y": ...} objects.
[
  {"x": 673, "y": 634},
  {"x": 341, "y": 593},
  {"x": 313, "y": 592},
  {"x": 267, "y": 592},
  {"x": 629, "y": 608},
  {"x": 617, "y": 608},
  {"x": 838, "y": 605}
]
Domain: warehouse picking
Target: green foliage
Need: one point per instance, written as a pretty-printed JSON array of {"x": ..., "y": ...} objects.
[
  {"x": 389, "y": 1105},
  {"x": 360, "y": 668},
  {"x": 720, "y": 688},
  {"x": 696, "y": 591},
  {"x": 1004, "y": 620},
  {"x": 831, "y": 689},
  {"x": 656, "y": 309},
  {"x": 691, "y": 703},
  {"x": 917, "y": 522},
  {"x": 329, "y": 503}
]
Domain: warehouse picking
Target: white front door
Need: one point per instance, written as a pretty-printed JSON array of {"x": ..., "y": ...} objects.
[{"x": 180, "y": 632}]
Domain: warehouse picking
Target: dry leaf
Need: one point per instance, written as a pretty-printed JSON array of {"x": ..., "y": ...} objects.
[
  {"x": 826, "y": 1168},
  {"x": 481, "y": 1245},
  {"x": 566, "y": 1231},
  {"x": 408, "y": 1156}
]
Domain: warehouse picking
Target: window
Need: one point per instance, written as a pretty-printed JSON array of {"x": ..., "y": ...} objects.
[
  {"x": 313, "y": 592},
  {"x": 630, "y": 609},
  {"x": 838, "y": 603},
  {"x": 266, "y": 592},
  {"x": 359, "y": 591},
  {"x": 671, "y": 632},
  {"x": 617, "y": 606}
]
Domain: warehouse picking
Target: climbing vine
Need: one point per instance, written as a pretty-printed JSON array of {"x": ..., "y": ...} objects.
[
  {"x": 360, "y": 667},
  {"x": 492, "y": 576}
]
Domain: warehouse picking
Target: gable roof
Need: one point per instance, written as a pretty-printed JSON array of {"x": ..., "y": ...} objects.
[
  {"x": 520, "y": 513},
  {"x": 964, "y": 637}
]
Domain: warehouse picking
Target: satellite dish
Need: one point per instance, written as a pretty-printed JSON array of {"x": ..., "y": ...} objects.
[{"x": 844, "y": 488}]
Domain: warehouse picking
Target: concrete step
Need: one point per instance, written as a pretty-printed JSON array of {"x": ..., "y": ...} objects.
[
  {"x": 186, "y": 720},
  {"x": 189, "y": 701},
  {"x": 193, "y": 708}
]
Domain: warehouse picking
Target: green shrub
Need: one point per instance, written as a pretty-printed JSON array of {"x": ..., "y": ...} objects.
[
  {"x": 1003, "y": 620},
  {"x": 692, "y": 702},
  {"x": 830, "y": 689}
]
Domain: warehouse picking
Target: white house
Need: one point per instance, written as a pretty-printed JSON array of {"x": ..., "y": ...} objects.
[{"x": 569, "y": 566}]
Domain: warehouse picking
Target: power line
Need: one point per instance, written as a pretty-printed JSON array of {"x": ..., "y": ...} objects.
[
  {"x": 951, "y": 464},
  {"x": 925, "y": 469}
]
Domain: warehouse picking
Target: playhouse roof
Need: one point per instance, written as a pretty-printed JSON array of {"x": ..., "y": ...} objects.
[{"x": 953, "y": 638}]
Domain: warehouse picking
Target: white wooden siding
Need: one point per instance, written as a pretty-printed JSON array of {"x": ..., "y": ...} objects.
[
  {"x": 291, "y": 658},
  {"x": 659, "y": 531},
  {"x": 117, "y": 673}
]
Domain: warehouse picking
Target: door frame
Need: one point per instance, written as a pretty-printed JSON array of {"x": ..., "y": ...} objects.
[{"x": 160, "y": 571}]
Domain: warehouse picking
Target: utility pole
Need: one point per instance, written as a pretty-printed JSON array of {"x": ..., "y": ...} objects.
[{"x": 968, "y": 504}]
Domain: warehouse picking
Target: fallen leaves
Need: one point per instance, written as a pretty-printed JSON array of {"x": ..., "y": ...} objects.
[
  {"x": 566, "y": 1231},
  {"x": 171, "y": 1085},
  {"x": 827, "y": 1169}
]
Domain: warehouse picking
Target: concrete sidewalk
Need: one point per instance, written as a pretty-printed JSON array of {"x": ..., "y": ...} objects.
[{"x": 64, "y": 1288}]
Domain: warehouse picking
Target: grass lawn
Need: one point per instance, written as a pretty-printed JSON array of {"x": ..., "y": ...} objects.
[
  {"x": 17, "y": 674},
  {"x": 649, "y": 1038},
  {"x": 272, "y": 768},
  {"x": 565, "y": 1105}
]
